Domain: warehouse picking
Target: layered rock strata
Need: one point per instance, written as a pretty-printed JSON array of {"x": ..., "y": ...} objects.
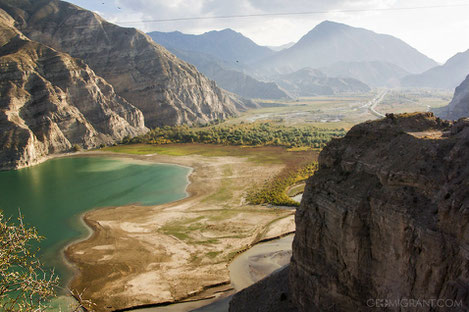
[
  {"x": 386, "y": 218},
  {"x": 384, "y": 222},
  {"x": 50, "y": 102},
  {"x": 166, "y": 89}
]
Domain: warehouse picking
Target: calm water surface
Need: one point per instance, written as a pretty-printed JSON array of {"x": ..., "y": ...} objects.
[{"x": 53, "y": 195}]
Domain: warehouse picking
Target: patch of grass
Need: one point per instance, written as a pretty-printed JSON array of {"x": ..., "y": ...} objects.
[
  {"x": 225, "y": 192},
  {"x": 274, "y": 191},
  {"x": 262, "y": 155},
  {"x": 181, "y": 229},
  {"x": 213, "y": 254}
]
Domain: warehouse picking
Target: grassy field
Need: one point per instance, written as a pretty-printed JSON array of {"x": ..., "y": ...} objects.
[
  {"x": 265, "y": 154},
  {"x": 337, "y": 112}
]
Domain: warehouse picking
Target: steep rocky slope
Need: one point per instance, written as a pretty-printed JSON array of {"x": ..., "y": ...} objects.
[
  {"x": 459, "y": 106},
  {"x": 167, "y": 90},
  {"x": 385, "y": 217},
  {"x": 446, "y": 76},
  {"x": 51, "y": 101},
  {"x": 231, "y": 79}
]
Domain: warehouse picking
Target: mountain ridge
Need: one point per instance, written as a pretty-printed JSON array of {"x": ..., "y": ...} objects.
[
  {"x": 446, "y": 76},
  {"x": 166, "y": 89},
  {"x": 227, "y": 45},
  {"x": 459, "y": 105},
  {"x": 331, "y": 42},
  {"x": 52, "y": 103}
]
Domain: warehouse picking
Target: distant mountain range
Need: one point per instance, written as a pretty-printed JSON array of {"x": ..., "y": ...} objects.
[
  {"x": 226, "y": 45},
  {"x": 373, "y": 73},
  {"x": 330, "y": 42},
  {"x": 71, "y": 79},
  {"x": 282, "y": 47},
  {"x": 446, "y": 76},
  {"x": 337, "y": 50},
  {"x": 311, "y": 82},
  {"x": 230, "y": 79}
]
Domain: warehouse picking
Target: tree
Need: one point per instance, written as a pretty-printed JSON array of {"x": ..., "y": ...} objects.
[{"x": 25, "y": 285}]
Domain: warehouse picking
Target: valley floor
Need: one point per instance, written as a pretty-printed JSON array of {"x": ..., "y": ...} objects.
[{"x": 139, "y": 256}]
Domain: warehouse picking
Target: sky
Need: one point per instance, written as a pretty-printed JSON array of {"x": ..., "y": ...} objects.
[{"x": 438, "y": 32}]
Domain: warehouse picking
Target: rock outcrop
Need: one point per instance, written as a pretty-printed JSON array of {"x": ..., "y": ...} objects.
[
  {"x": 459, "y": 106},
  {"x": 386, "y": 217},
  {"x": 50, "y": 101},
  {"x": 167, "y": 90},
  {"x": 270, "y": 294}
]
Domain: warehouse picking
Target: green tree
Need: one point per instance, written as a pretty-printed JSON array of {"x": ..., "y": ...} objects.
[{"x": 25, "y": 285}]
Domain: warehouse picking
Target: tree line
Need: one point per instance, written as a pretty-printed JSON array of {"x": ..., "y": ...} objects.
[{"x": 253, "y": 134}]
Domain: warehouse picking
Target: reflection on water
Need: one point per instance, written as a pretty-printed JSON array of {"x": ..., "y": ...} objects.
[{"x": 53, "y": 195}]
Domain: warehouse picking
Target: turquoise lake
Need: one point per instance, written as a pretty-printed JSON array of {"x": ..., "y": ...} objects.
[{"x": 52, "y": 196}]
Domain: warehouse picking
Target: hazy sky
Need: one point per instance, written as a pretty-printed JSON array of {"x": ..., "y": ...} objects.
[{"x": 437, "y": 32}]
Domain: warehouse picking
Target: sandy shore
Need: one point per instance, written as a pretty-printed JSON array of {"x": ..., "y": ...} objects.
[{"x": 146, "y": 255}]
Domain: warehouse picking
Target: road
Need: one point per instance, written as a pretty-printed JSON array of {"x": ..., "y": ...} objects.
[{"x": 372, "y": 104}]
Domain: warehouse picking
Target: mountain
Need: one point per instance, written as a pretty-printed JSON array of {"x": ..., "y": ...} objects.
[
  {"x": 375, "y": 73},
  {"x": 311, "y": 82},
  {"x": 231, "y": 79},
  {"x": 50, "y": 102},
  {"x": 227, "y": 45},
  {"x": 377, "y": 224},
  {"x": 459, "y": 106},
  {"x": 166, "y": 89},
  {"x": 330, "y": 42},
  {"x": 446, "y": 76},
  {"x": 282, "y": 47}
]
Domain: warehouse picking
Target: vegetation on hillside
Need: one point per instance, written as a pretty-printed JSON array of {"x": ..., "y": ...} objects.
[
  {"x": 274, "y": 191},
  {"x": 252, "y": 134}
]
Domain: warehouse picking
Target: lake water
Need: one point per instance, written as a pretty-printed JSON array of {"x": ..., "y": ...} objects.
[{"x": 52, "y": 196}]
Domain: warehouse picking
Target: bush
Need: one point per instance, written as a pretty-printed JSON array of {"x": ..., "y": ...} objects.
[
  {"x": 274, "y": 191},
  {"x": 24, "y": 283}
]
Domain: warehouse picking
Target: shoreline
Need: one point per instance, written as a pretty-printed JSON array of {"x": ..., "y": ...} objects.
[
  {"x": 90, "y": 231},
  {"x": 194, "y": 194}
]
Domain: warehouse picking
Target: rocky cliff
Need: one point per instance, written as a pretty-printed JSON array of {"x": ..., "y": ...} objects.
[
  {"x": 385, "y": 218},
  {"x": 167, "y": 90},
  {"x": 50, "y": 101},
  {"x": 459, "y": 106}
]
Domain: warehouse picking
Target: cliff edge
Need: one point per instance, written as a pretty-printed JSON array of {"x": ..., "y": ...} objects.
[
  {"x": 386, "y": 217},
  {"x": 384, "y": 222}
]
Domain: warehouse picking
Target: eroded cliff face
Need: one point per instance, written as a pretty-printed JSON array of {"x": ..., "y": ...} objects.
[
  {"x": 386, "y": 217},
  {"x": 459, "y": 106},
  {"x": 167, "y": 90},
  {"x": 50, "y": 101}
]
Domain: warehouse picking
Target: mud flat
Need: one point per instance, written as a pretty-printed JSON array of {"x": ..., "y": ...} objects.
[{"x": 142, "y": 256}]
